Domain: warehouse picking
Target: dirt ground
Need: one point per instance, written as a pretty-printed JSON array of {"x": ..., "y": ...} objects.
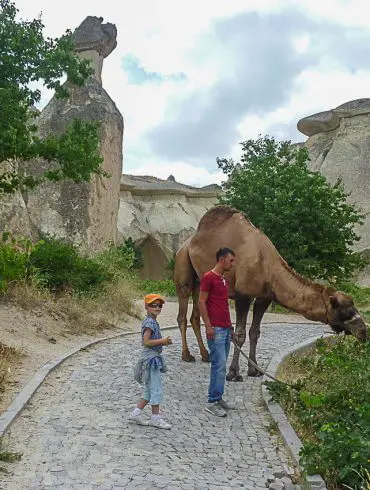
[{"x": 42, "y": 337}]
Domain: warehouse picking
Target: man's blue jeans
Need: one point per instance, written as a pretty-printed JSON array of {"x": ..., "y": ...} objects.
[{"x": 219, "y": 348}]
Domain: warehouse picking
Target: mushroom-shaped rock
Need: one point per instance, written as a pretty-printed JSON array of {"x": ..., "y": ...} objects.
[
  {"x": 318, "y": 123},
  {"x": 353, "y": 108},
  {"x": 95, "y": 41},
  {"x": 92, "y": 34}
]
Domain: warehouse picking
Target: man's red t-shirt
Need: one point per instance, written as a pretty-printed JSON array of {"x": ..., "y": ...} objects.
[{"x": 217, "y": 302}]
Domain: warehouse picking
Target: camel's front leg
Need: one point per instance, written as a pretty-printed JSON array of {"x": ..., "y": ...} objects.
[
  {"x": 242, "y": 304},
  {"x": 260, "y": 306},
  {"x": 195, "y": 322}
]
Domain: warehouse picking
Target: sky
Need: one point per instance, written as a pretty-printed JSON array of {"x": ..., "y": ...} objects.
[{"x": 195, "y": 78}]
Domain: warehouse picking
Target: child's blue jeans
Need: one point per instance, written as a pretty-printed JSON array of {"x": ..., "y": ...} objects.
[{"x": 153, "y": 389}]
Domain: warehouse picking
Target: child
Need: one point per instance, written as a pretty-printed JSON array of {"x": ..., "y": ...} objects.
[{"x": 151, "y": 365}]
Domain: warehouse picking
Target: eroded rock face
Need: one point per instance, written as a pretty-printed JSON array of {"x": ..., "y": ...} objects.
[
  {"x": 160, "y": 215},
  {"x": 13, "y": 211},
  {"x": 342, "y": 150},
  {"x": 85, "y": 213}
]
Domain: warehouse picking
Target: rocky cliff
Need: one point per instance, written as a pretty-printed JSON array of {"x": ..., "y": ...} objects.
[
  {"x": 160, "y": 215},
  {"x": 339, "y": 147}
]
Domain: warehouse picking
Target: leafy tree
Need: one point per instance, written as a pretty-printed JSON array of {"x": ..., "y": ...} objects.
[
  {"x": 27, "y": 58},
  {"x": 307, "y": 219}
]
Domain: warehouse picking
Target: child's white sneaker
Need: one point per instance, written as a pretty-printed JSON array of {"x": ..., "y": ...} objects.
[
  {"x": 160, "y": 423},
  {"x": 137, "y": 419}
]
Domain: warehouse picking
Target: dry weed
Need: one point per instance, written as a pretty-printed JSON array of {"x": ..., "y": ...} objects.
[
  {"x": 8, "y": 357},
  {"x": 105, "y": 310},
  {"x": 83, "y": 313},
  {"x": 29, "y": 295}
]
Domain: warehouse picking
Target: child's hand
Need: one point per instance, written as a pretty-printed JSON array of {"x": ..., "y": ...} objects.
[{"x": 167, "y": 341}]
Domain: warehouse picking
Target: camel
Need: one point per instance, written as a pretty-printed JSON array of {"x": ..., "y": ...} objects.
[{"x": 259, "y": 273}]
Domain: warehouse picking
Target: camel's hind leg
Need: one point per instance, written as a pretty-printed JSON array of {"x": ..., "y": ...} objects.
[
  {"x": 242, "y": 304},
  {"x": 195, "y": 321},
  {"x": 184, "y": 280},
  {"x": 182, "y": 322},
  {"x": 259, "y": 308}
]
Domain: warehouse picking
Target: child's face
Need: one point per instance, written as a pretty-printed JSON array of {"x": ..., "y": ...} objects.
[{"x": 154, "y": 308}]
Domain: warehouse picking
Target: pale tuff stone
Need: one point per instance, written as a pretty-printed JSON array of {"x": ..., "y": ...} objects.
[
  {"x": 344, "y": 152},
  {"x": 159, "y": 215}
]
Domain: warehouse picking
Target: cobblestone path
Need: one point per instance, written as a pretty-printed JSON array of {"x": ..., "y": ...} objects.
[{"x": 74, "y": 434}]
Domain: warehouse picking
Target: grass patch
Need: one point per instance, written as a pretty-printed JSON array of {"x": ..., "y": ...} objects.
[
  {"x": 8, "y": 456},
  {"x": 83, "y": 313},
  {"x": 112, "y": 305},
  {"x": 88, "y": 292},
  {"x": 328, "y": 405},
  {"x": 8, "y": 356},
  {"x": 166, "y": 287}
]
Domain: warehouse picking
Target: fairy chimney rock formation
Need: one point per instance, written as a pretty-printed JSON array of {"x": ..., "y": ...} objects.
[
  {"x": 339, "y": 147},
  {"x": 85, "y": 213},
  {"x": 95, "y": 41}
]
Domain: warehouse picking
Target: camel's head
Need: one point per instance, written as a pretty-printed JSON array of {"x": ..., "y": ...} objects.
[{"x": 344, "y": 317}]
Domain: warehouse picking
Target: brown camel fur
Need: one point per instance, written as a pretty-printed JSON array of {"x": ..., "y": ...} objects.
[{"x": 260, "y": 273}]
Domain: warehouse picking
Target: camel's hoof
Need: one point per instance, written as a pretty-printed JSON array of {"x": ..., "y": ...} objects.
[
  {"x": 206, "y": 358},
  {"x": 188, "y": 358},
  {"x": 254, "y": 373},
  {"x": 234, "y": 377}
]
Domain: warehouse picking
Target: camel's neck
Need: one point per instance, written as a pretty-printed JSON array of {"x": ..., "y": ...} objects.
[{"x": 296, "y": 293}]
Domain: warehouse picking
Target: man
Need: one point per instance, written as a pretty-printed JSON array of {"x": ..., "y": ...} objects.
[{"x": 214, "y": 308}]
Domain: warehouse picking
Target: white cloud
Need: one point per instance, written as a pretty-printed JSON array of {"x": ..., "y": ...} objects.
[
  {"x": 336, "y": 86},
  {"x": 183, "y": 173},
  {"x": 169, "y": 36}
]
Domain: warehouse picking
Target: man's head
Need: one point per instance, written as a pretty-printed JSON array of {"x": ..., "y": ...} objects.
[
  {"x": 225, "y": 258},
  {"x": 153, "y": 304}
]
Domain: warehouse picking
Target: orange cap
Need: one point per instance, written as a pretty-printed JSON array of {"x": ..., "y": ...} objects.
[{"x": 150, "y": 298}]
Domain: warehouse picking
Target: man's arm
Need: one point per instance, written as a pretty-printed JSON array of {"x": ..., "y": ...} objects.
[{"x": 203, "y": 295}]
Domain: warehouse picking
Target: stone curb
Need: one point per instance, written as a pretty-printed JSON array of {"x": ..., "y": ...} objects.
[
  {"x": 291, "y": 439},
  {"x": 24, "y": 396}
]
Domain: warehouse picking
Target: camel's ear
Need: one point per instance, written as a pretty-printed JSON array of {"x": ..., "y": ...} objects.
[{"x": 334, "y": 301}]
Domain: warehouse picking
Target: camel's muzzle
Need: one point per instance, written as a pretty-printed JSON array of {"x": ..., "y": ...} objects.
[{"x": 357, "y": 327}]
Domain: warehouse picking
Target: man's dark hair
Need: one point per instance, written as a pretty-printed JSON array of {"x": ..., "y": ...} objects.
[{"x": 222, "y": 252}]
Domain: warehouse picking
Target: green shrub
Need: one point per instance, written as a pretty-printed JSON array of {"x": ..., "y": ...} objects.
[
  {"x": 332, "y": 406},
  {"x": 60, "y": 266},
  {"x": 117, "y": 260},
  {"x": 13, "y": 259},
  {"x": 165, "y": 287},
  {"x": 129, "y": 248}
]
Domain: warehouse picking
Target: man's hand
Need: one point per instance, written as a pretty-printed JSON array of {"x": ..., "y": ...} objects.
[
  {"x": 167, "y": 341},
  {"x": 209, "y": 332}
]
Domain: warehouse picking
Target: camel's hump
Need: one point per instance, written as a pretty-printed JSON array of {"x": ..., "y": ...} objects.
[{"x": 216, "y": 216}]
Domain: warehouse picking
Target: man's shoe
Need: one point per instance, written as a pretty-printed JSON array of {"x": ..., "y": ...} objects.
[
  {"x": 137, "y": 419},
  {"x": 160, "y": 423},
  {"x": 225, "y": 405},
  {"x": 216, "y": 409}
]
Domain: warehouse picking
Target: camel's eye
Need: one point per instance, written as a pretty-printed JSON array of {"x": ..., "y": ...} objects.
[{"x": 347, "y": 314}]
